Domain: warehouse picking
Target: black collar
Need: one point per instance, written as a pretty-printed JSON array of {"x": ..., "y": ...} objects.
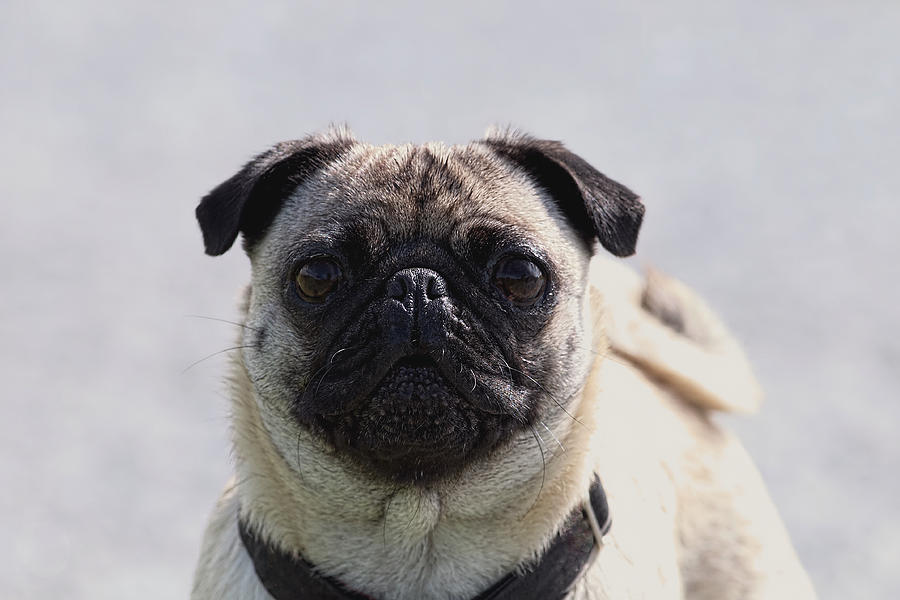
[{"x": 552, "y": 577}]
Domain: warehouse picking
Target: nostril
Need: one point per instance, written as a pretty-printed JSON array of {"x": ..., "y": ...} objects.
[
  {"x": 422, "y": 285},
  {"x": 435, "y": 288}
]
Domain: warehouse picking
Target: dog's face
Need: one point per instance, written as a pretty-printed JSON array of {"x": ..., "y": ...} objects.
[{"x": 414, "y": 308}]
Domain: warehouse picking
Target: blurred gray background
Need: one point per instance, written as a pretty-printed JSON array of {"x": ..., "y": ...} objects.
[{"x": 763, "y": 136}]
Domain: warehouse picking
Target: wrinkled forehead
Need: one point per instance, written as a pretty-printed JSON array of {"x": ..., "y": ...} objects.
[{"x": 404, "y": 193}]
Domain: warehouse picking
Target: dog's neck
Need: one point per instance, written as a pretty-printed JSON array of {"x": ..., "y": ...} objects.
[{"x": 408, "y": 541}]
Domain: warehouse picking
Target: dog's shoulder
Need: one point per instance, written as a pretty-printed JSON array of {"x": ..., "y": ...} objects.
[{"x": 224, "y": 571}]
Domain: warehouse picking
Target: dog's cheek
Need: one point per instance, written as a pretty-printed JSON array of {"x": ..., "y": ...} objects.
[
  {"x": 563, "y": 355},
  {"x": 277, "y": 359}
]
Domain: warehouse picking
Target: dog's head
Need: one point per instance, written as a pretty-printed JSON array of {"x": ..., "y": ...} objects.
[{"x": 415, "y": 307}]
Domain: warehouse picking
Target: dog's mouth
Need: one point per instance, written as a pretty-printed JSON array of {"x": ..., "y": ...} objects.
[
  {"x": 414, "y": 425},
  {"x": 413, "y": 381}
]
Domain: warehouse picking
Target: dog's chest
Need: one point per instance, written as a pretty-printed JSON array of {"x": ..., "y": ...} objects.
[
  {"x": 416, "y": 552},
  {"x": 639, "y": 558}
]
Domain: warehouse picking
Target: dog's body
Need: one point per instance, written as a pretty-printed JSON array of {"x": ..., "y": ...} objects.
[{"x": 628, "y": 375}]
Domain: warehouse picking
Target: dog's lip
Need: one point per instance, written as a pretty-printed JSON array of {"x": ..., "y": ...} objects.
[
  {"x": 417, "y": 360},
  {"x": 410, "y": 360},
  {"x": 365, "y": 373},
  {"x": 447, "y": 370},
  {"x": 417, "y": 363}
]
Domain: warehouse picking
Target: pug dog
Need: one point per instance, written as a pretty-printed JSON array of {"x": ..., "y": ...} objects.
[{"x": 444, "y": 391}]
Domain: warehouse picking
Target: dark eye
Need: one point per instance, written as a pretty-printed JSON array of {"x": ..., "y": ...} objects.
[
  {"x": 317, "y": 278},
  {"x": 520, "y": 280}
]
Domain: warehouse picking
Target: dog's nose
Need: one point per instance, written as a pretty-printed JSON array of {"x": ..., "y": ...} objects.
[
  {"x": 416, "y": 322},
  {"x": 416, "y": 287}
]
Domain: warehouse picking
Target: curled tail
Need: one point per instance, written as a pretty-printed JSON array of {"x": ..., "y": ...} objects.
[{"x": 662, "y": 327}]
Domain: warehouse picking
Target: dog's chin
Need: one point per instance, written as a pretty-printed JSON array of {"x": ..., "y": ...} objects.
[{"x": 416, "y": 427}]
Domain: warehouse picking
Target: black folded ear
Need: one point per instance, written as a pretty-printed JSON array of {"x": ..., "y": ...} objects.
[
  {"x": 596, "y": 205},
  {"x": 248, "y": 202}
]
